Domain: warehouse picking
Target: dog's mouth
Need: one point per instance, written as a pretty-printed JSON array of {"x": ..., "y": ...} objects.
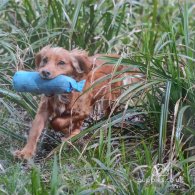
[{"x": 46, "y": 75}]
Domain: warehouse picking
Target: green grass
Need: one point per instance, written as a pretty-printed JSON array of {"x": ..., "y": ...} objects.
[{"x": 153, "y": 153}]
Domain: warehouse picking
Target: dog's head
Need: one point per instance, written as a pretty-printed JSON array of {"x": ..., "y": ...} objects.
[{"x": 52, "y": 62}]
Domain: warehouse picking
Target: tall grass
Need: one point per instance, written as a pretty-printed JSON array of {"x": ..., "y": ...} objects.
[{"x": 147, "y": 148}]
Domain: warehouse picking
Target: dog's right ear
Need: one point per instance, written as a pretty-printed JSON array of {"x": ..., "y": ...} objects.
[
  {"x": 37, "y": 59},
  {"x": 39, "y": 55}
]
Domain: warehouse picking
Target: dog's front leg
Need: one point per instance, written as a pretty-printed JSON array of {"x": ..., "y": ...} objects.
[{"x": 38, "y": 125}]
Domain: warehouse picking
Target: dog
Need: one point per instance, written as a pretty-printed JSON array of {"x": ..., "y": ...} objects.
[{"x": 67, "y": 112}]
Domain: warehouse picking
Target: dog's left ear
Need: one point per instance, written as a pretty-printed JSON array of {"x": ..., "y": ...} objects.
[{"x": 81, "y": 62}]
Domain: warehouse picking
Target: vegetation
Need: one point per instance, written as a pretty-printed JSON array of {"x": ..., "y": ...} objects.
[{"x": 152, "y": 153}]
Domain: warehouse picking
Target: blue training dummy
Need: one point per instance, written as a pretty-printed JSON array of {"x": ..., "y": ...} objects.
[{"x": 32, "y": 82}]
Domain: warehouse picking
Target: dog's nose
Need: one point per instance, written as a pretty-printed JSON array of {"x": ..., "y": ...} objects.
[{"x": 45, "y": 74}]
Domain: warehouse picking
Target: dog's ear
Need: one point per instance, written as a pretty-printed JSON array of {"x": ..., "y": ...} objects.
[
  {"x": 39, "y": 55},
  {"x": 81, "y": 62},
  {"x": 37, "y": 59}
]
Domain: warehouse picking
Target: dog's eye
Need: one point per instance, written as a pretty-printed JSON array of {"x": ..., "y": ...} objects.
[
  {"x": 45, "y": 60},
  {"x": 61, "y": 62}
]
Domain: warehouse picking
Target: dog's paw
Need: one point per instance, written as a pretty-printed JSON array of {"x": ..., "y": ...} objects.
[{"x": 24, "y": 154}]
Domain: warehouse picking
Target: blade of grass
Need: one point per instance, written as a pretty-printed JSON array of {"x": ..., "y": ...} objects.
[
  {"x": 163, "y": 121},
  {"x": 54, "y": 177}
]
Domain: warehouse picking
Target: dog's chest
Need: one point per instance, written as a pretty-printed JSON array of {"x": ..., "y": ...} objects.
[{"x": 61, "y": 105}]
